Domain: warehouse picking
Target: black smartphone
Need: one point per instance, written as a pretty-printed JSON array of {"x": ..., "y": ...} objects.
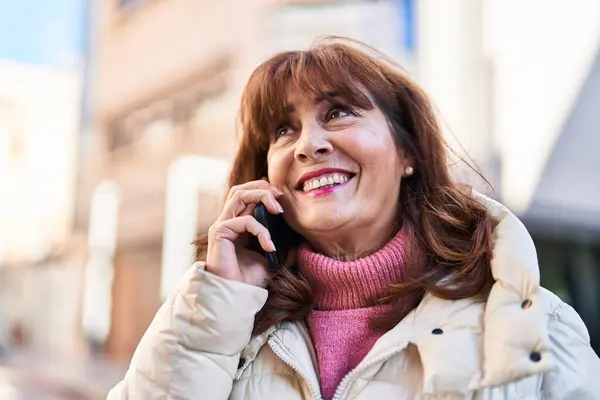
[
  {"x": 281, "y": 235},
  {"x": 266, "y": 219}
]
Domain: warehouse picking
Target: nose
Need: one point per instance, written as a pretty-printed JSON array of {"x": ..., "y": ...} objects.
[{"x": 313, "y": 145}]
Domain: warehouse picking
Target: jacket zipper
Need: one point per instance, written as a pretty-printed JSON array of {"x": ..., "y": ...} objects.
[
  {"x": 345, "y": 383},
  {"x": 240, "y": 370},
  {"x": 290, "y": 362}
]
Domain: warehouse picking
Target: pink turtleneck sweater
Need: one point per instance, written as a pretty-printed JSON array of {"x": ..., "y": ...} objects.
[{"x": 345, "y": 294}]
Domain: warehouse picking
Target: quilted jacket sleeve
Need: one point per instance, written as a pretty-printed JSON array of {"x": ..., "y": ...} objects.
[
  {"x": 191, "y": 349},
  {"x": 577, "y": 372}
]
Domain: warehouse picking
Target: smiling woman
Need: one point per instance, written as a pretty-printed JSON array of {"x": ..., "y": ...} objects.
[
  {"x": 335, "y": 106},
  {"x": 397, "y": 282}
]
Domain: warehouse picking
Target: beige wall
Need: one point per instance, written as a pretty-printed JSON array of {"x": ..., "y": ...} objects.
[
  {"x": 135, "y": 297},
  {"x": 158, "y": 47}
]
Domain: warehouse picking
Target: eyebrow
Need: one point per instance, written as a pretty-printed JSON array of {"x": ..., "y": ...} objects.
[{"x": 326, "y": 96}]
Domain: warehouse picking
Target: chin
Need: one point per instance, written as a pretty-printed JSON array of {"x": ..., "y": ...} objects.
[{"x": 324, "y": 221}]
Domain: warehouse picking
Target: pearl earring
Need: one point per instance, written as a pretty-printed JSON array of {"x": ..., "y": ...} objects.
[{"x": 409, "y": 171}]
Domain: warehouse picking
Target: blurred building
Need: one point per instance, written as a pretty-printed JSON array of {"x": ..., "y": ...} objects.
[
  {"x": 160, "y": 134},
  {"x": 39, "y": 275},
  {"x": 38, "y": 122}
]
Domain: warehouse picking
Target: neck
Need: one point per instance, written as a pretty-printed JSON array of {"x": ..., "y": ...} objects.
[{"x": 354, "y": 245}]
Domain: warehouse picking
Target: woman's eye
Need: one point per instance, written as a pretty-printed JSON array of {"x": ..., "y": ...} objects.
[
  {"x": 282, "y": 131},
  {"x": 337, "y": 112}
]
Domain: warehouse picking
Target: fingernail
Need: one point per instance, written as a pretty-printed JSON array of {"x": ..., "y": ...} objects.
[
  {"x": 279, "y": 191},
  {"x": 279, "y": 208},
  {"x": 272, "y": 245}
]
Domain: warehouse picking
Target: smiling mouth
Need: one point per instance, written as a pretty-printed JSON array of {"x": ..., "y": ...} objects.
[{"x": 326, "y": 181}]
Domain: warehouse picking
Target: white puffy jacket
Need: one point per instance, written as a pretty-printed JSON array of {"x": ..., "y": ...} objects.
[{"x": 524, "y": 343}]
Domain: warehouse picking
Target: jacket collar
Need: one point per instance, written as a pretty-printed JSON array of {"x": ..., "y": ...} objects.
[{"x": 515, "y": 334}]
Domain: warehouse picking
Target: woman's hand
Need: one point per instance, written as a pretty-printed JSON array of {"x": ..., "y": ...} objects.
[{"x": 227, "y": 255}]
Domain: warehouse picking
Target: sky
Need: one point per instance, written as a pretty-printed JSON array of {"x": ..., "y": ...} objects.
[{"x": 42, "y": 32}]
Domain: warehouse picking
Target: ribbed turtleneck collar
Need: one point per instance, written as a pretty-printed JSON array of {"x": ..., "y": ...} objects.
[{"x": 341, "y": 285}]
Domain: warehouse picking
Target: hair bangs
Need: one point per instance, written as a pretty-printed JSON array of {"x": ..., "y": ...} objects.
[{"x": 319, "y": 73}]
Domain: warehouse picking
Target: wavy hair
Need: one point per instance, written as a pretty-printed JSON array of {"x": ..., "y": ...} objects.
[{"x": 450, "y": 232}]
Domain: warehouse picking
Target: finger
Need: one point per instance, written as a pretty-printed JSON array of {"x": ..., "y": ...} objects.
[
  {"x": 231, "y": 229},
  {"x": 240, "y": 201},
  {"x": 249, "y": 210},
  {"x": 244, "y": 201},
  {"x": 259, "y": 184}
]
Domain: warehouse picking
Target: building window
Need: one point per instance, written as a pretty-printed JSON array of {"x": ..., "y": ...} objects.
[
  {"x": 151, "y": 125},
  {"x": 122, "y": 136},
  {"x": 154, "y": 135}
]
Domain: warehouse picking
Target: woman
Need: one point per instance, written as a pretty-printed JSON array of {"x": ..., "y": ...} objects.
[{"x": 397, "y": 282}]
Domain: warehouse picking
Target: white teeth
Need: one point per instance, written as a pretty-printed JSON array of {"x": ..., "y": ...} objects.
[{"x": 332, "y": 179}]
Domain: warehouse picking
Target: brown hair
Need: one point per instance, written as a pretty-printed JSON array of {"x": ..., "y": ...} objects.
[{"x": 450, "y": 231}]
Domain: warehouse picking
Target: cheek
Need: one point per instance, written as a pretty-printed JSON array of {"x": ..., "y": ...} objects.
[
  {"x": 278, "y": 165},
  {"x": 371, "y": 145}
]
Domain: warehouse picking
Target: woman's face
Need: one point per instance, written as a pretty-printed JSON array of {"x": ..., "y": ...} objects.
[{"x": 339, "y": 169}]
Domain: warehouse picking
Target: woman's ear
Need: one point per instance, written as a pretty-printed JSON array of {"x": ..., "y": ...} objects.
[{"x": 406, "y": 163}]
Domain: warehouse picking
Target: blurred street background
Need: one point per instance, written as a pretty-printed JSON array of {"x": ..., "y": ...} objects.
[{"x": 117, "y": 128}]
